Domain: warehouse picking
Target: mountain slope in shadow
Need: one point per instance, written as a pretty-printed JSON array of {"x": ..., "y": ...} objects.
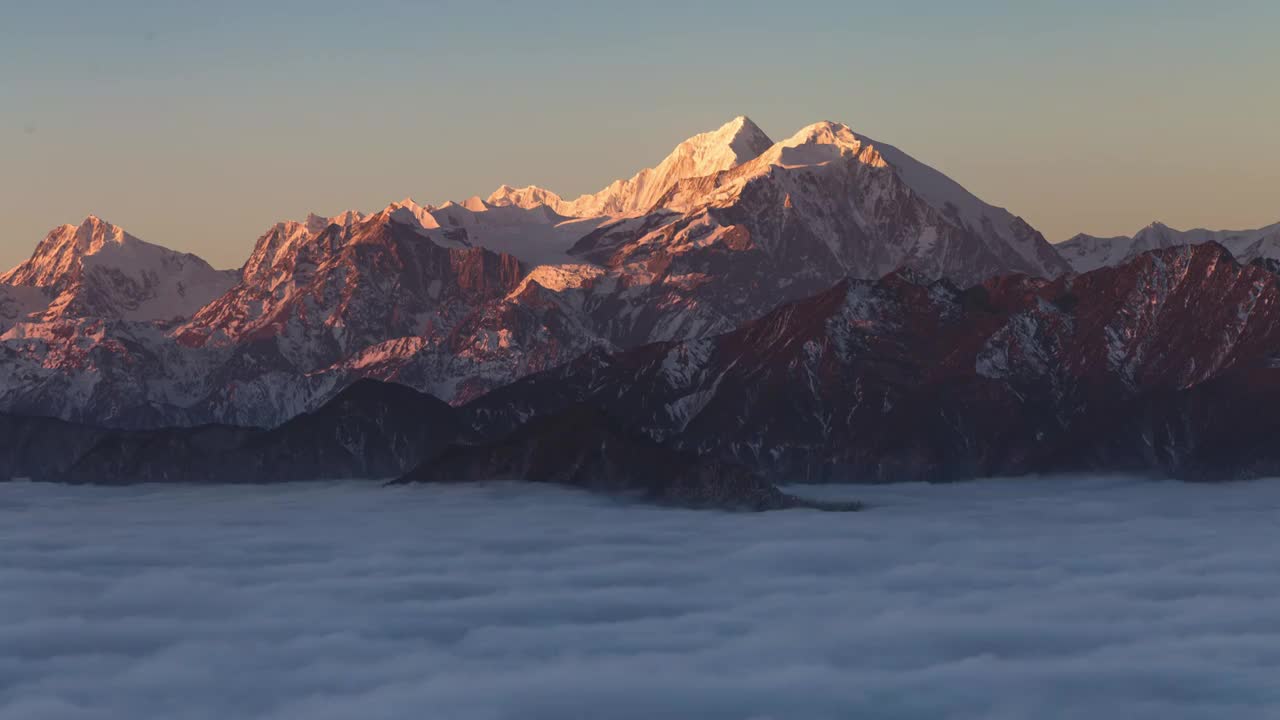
[{"x": 582, "y": 447}]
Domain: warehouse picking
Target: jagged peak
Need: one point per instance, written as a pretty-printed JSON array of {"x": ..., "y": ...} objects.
[
  {"x": 316, "y": 223},
  {"x": 62, "y": 250},
  {"x": 733, "y": 143},
  {"x": 1176, "y": 255},
  {"x": 825, "y": 132},
  {"x": 1201, "y": 234},
  {"x": 94, "y": 232},
  {"x": 413, "y": 205},
  {"x": 1214, "y": 248},
  {"x": 1088, "y": 252},
  {"x": 1155, "y": 226},
  {"x": 528, "y": 197},
  {"x": 820, "y": 143},
  {"x": 287, "y": 237},
  {"x": 559, "y": 278},
  {"x": 409, "y": 212},
  {"x": 92, "y": 220},
  {"x": 736, "y": 142},
  {"x": 96, "y": 269}
]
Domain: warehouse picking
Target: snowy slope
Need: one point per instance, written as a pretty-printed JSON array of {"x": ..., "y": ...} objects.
[
  {"x": 21, "y": 303},
  {"x": 1086, "y": 252},
  {"x": 536, "y": 234},
  {"x": 835, "y": 201},
  {"x": 735, "y": 142},
  {"x": 719, "y": 169},
  {"x": 96, "y": 269}
]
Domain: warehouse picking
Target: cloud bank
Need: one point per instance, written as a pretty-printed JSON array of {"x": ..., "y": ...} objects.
[{"x": 1054, "y": 598}]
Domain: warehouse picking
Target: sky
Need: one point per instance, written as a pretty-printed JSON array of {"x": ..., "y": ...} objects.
[
  {"x": 1054, "y": 599},
  {"x": 197, "y": 125}
]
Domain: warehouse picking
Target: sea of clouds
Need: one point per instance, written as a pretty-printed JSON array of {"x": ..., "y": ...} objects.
[{"x": 1045, "y": 598}]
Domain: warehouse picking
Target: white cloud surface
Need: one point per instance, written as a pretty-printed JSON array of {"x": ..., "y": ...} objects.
[{"x": 1053, "y": 598}]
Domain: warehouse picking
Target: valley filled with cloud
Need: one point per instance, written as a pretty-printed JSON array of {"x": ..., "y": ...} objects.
[{"x": 1047, "y": 598}]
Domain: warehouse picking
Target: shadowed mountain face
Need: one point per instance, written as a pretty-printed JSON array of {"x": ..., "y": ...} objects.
[
  {"x": 370, "y": 430},
  {"x": 582, "y": 447},
  {"x": 380, "y": 430},
  {"x": 42, "y": 448}
]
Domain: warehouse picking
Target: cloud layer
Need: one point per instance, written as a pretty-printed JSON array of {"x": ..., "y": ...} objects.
[{"x": 1055, "y": 598}]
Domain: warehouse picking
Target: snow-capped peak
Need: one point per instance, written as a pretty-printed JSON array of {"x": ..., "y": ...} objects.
[
  {"x": 96, "y": 269},
  {"x": 528, "y": 197},
  {"x": 408, "y": 212},
  {"x": 475, "y": 204},
  {"x": 838, "y": 184},
  {"x": 734, "y": 143},
  {"x": 1086, "y": 252},
  {"x": 317, "y": 223},
  {"x": 821, "y": 143},
  {"x": 817, "y": 143},
  {"x": 61, "y": 252},
  {"x": 728, "y": 146},
  {"x": 823, "y": 132}
]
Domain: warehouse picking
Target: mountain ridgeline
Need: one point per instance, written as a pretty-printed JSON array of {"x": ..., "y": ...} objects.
[{"x": 825, "y": 307}]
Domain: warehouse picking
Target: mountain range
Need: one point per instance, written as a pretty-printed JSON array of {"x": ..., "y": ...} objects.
[
  {"x": 1087, "y": 252},
  {"x": 823, "y": 306}
]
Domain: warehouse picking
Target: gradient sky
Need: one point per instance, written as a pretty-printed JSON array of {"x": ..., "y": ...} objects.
[{"x": 197, "y": 124}]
